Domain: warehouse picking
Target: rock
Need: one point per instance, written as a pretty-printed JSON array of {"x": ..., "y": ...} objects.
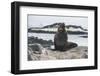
[
  {"x": 33, "y": 40},
  {"x": 36, "y": 48},
  {"x": 80, "y": 52},
  {"x": 84, "y": 36}
]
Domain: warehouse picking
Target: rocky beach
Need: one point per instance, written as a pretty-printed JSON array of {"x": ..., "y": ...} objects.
[
  {"x": 80, "y": 52},
  {"x": 41, "y": 41}
]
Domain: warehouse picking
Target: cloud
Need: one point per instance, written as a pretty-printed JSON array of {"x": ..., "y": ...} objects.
[{"x": 43, "y": 20}]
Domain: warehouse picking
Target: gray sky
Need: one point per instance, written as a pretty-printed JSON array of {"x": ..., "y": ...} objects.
[{"x": 43, "y": 20}]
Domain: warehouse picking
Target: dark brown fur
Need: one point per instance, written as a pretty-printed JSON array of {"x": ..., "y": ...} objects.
[{"x": 61, "y": 39}]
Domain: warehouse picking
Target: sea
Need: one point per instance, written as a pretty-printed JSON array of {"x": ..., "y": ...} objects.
[{"x": 81, "y": 41}]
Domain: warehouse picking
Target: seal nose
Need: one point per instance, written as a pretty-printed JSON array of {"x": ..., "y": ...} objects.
[{"x": 60, "y": 29}]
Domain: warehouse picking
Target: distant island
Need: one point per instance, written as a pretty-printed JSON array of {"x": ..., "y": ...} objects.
[{"x": 52, "y": 28}]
